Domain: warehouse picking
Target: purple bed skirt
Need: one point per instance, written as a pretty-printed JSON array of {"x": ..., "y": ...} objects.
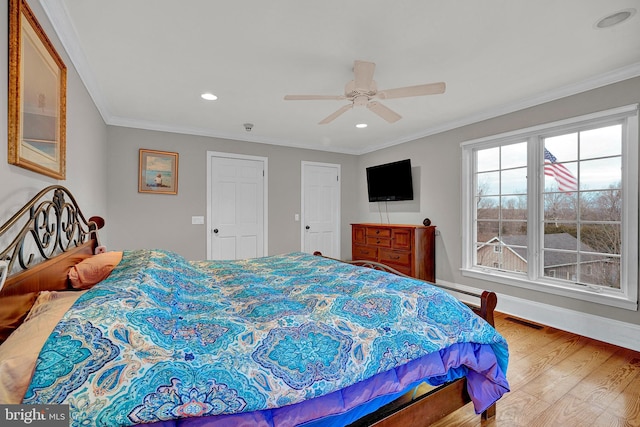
[{"x": 486, "y": 383}]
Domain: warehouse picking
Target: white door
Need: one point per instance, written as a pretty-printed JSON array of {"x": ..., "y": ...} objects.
[
  {"x": 236, "y": 208},
  {"x": 321, "y": 208}
]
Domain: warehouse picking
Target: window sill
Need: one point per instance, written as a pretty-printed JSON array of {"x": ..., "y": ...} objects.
[{"x": 602, "y": 296}]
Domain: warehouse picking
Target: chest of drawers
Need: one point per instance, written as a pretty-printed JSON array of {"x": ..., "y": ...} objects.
[{"x": 409, "y": 249}]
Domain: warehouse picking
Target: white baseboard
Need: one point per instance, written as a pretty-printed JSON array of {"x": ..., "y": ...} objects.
[{"x": 600, "y": 328}]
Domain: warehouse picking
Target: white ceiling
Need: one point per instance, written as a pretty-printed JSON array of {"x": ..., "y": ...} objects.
[{"x": 146, "y": 62}]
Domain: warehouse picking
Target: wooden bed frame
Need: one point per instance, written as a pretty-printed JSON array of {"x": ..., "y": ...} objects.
[{"x": 55, "y": 236}]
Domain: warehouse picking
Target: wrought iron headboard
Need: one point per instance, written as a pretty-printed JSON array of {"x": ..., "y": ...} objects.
[{"x": 52, "y": 223}]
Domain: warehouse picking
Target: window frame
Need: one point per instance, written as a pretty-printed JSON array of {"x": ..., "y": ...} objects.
[{"x": 627, "y": 296}]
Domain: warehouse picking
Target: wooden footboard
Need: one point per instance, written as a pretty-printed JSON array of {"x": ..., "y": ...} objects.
[{"x": 426, "y": 407}]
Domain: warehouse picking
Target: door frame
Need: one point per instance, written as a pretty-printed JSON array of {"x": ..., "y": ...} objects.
[
  {"x": 265, "y": 189},
  {"x": 337, "y": 166}
]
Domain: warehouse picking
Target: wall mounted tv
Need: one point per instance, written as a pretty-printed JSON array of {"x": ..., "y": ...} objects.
[{"x": 390, "y": 182}]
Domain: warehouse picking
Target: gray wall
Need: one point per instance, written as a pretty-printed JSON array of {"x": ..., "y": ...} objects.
[
  {"x": 86, "y": 139},
  {"x": 437, "y": 159},
  {"x": 142, "y": 220}
]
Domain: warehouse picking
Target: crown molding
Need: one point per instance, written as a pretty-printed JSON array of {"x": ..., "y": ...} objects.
[
  {"x": 59, "y": 18},
  {"x": 595, "y": 82},
  {"x": 184, "y": 130}
]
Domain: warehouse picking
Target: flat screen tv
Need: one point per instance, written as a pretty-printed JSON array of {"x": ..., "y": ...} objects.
[{"x": 390, "y": 182}]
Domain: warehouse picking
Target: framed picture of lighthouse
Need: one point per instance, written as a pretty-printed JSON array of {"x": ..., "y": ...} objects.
[{"x": 158, "y": 172}]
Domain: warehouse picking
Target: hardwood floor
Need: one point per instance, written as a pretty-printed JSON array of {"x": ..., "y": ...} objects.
[{"x": 561, "y": 379}]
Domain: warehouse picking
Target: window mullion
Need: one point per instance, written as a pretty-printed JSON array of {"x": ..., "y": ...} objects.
[
  {"x": 535, "y": 226},
  {"x": 468, "y": 210},
  {"x": 630, "y": 184},
  {"x": 579, "y": 224}
]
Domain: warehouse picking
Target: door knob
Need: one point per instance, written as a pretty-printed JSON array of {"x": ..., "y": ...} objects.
[
  {"x": 307, "y": 227},
  {"x": 215, "y": 230}
]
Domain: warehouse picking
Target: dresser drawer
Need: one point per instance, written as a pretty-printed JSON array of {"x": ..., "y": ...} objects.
[
  {"x": 364, "y": 252},
  {"x": 404, "y": 269},
  {"x": 383, "y": 242},
  {"x": 378, "y": 232},
  {"x": 387, "y": 256}
]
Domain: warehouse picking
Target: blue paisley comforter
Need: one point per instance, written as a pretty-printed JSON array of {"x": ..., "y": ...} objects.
[{"x": 166, "y": 339}]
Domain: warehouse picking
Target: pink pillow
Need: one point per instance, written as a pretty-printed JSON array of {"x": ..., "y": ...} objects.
[{"x": 94, "y": 269}]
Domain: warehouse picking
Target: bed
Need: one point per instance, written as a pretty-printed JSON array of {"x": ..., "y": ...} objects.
[{"x": 147, "y": 337}]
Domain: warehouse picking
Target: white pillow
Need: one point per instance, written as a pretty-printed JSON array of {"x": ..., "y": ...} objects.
[{"x": 18, "y": 354}]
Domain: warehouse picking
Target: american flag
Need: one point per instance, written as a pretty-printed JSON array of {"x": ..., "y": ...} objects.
[{"x": 563, "y": 176}]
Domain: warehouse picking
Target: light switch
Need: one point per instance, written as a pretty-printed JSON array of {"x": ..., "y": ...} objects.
[
  {"x": 296, "y": 217},
  {"x": 197, "y": 220}
]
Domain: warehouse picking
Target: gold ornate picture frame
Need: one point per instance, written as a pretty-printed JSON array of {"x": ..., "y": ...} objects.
[
  {"x": 37, "y": 96},
  {"x": 158, "y": 172}
]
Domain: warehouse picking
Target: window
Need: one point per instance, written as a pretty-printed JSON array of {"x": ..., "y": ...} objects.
[{"x": 555, "y": 208}]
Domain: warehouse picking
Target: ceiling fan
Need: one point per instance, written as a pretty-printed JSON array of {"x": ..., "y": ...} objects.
[{"x": 363, "y": 89}]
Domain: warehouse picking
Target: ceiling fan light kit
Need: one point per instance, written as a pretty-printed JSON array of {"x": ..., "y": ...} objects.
[{"x": 362, "y": 90}]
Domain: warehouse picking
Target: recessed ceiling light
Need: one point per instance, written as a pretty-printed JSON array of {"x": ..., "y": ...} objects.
[
  {"x": 209, "y": 96},
  {"x": 361, "y": 125},
  {"x": 615, "y": 18}
]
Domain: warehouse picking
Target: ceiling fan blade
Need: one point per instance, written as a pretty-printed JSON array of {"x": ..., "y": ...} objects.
[
  {"x": 384, "y": 112},
  {"x": 419, "y": 90},
  {"x": 313, "y": 97},
  {"x": 335, "y": 115},
  {"x": 363, "y": 73}
]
